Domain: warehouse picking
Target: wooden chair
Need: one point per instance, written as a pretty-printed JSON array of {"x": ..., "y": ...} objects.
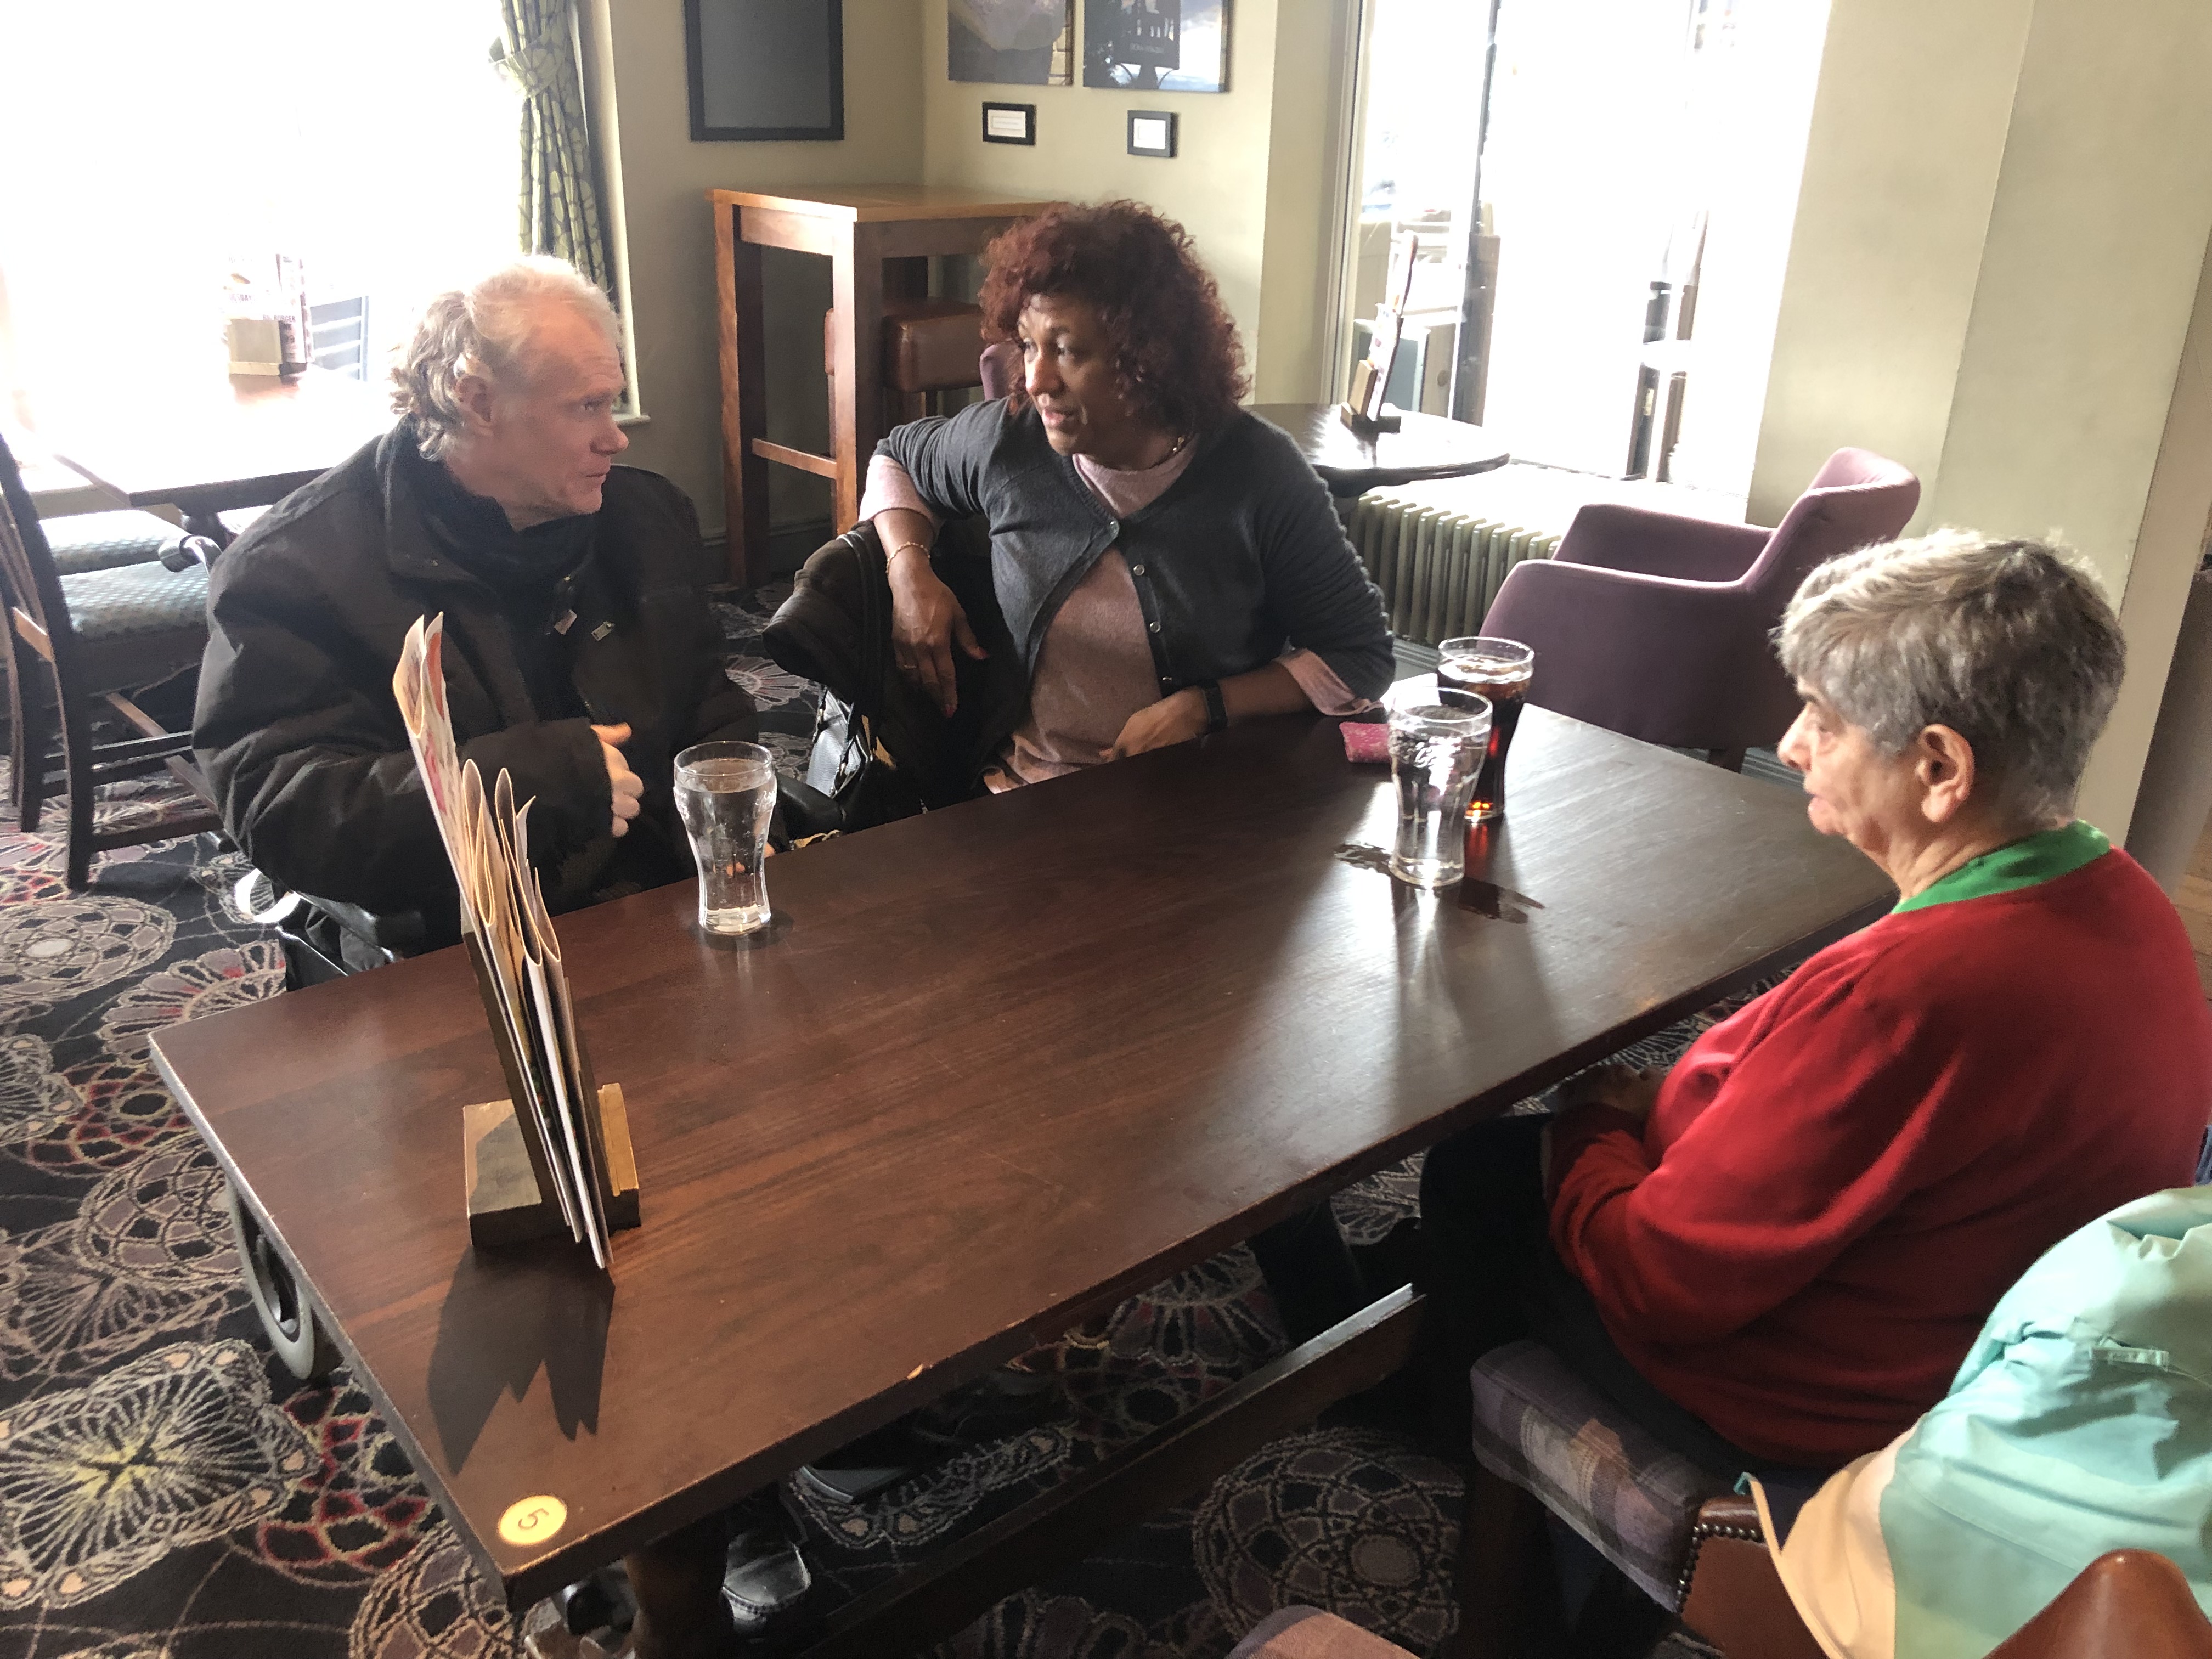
[
  {"x": 1682, "y": 1541},
  {"x": 96, "y": 635},
  {"x": 1547, "y": 1440},
  {"x": 105, "y": 541}
]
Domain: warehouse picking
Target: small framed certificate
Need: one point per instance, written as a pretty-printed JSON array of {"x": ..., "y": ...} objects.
[
  {"x": 1009, "y": 123},
  {"x": 1152, "y": 132}
]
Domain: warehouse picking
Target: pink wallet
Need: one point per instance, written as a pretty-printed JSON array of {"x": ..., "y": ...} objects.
[{"x": 1366, "y": 741}]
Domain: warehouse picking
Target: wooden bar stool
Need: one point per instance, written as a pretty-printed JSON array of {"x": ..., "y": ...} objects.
[{"x": 878, "y": 240}]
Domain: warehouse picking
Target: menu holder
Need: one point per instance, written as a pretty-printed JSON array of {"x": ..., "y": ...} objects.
[
  {"x": 505, "y": 1173},
  {"x": 506, "y": 1203},
  {"x": 555, "y": 1156},
  {"x": 1364, "y": 411},
  {"x": 1385, "y": 419}
]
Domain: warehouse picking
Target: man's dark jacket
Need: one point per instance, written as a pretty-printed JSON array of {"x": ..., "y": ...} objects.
[{"x": 300, "y": 738}]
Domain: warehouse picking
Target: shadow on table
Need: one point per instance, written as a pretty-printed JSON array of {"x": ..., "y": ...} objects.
[{"x": 504, "y": 1317}]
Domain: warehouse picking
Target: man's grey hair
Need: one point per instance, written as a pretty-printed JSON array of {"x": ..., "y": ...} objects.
[
  {"x": 485, "y": 330},
  {"x": 2009, "y": 643}
]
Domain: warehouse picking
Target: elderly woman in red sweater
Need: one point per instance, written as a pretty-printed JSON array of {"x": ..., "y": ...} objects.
[{"x": 1776, "y": 1253}]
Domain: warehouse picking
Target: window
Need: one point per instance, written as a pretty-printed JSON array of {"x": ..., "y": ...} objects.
[
  {"x": 1637, "y": 164},
  {"x": 154, "y": 148}
]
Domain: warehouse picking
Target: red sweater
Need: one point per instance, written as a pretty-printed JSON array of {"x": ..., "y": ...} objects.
[{"x": 1838, "y": 1183}]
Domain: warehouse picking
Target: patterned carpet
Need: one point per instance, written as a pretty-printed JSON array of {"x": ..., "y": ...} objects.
[{"x": 168, "y": 1491}]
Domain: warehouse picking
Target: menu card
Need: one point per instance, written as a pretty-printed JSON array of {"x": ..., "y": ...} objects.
[{"x": 516, "y": 955}]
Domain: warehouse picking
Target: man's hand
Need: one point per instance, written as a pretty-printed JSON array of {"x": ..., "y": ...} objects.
[
  {"x": 1624, "y": 1088},
  {"x": 1175, "y": 718},
  {"x": 623, "y": 784},
  {"x": 927, "y": 622}
]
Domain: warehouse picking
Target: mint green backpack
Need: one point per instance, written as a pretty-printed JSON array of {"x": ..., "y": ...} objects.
[{"x": 2081, "y": 1422}]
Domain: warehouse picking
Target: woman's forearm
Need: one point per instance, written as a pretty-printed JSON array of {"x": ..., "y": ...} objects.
[
  {"x": 1269, "y": 691},
  {"x": 901, "y": 527}
]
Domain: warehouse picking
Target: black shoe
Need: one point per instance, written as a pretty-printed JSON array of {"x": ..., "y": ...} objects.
[
  {"x": 764, "y": 1578},
  {"x": 1396, "y": 1258},
  {"x": 991, "y": 1408}
]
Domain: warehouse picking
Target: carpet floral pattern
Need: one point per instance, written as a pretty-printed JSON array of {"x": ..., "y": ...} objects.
[{"x": 168, "y": 1492}]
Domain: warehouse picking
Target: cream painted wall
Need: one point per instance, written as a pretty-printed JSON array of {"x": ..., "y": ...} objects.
[
  {"x": 1258, "y": 197},
  {"x": 1222, "y": 185},
  {"x": 664, "y": 177},
  {"x": 1901, "y": 170},
  {"x": 1309, "y": 138},
  {"x": 1999, "y": 240},
  {"x": 2096, "y": 247}
]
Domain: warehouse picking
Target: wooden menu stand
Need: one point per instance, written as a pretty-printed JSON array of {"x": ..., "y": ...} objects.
[
  {"x": 1388, "y": 420},
  {"x": 504, "y": 1173},
  {"x": 497, "y": 1162}
]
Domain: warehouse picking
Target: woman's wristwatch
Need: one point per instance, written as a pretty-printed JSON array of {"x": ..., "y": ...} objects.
[{"x": 1217, "y": 708}]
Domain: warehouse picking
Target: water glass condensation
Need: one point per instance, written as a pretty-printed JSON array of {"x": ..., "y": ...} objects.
[
  {"x": 725, "y": 793},
  {"x": 1480, "y": 669},
  {"x": 1435, "y": 753}
]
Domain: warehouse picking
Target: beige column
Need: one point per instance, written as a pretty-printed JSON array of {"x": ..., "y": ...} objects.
[{"x": 1997, "y": 265}]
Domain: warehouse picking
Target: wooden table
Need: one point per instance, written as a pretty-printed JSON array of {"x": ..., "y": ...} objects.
[
  {"x": 195, "y": 438},
  {"x": 1424, "y": 446},
  {"x": 878, "y": 239},
  {"x": 994, "y": 1068}
]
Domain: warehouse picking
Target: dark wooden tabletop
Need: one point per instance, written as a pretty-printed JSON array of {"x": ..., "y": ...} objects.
[
  {"x": 193, "y": 436},
  {"x": 991, "y": 1066},
  {"x": 1424, "y": 446}
]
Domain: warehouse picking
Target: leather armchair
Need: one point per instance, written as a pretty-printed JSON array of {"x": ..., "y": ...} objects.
[{"x": 2126, "y": 1604}]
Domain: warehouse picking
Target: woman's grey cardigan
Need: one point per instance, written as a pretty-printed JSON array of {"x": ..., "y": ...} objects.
[{"x": 1242, "y": 557}]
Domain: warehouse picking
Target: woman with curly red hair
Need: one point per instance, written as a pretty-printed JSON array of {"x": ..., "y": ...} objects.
[{"x": 1167, "y": 563}]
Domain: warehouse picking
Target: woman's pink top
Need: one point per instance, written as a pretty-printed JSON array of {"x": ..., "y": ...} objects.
[{"x": 1095, "y": 668}]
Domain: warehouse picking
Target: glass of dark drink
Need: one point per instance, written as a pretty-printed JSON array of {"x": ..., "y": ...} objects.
[{"x": 1477, "y": 670}]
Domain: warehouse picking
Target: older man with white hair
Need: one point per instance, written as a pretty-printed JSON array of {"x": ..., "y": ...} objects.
[{"x": 580, "y": 653}]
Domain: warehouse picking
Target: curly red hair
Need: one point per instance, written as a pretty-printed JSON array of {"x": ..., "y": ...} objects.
[{"x": 1174, "y": 346}]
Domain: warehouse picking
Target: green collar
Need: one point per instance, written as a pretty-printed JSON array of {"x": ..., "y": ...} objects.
[{"x": 2040, "y": 858}]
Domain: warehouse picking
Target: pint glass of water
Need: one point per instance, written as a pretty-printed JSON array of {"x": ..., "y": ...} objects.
[
  {"x": 726, "y": 792},
  {"x": 1435, "y": 753}
]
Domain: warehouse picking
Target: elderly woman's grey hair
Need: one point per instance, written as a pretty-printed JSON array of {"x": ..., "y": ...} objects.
[
  {"x": 484, "y": 330},
  {"x": 2009, "y": 643}
]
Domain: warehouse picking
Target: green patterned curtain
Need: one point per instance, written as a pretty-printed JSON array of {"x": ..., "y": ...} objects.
[{"x": 560, "y": 203}]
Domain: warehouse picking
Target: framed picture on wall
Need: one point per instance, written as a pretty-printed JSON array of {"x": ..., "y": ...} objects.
[
  {"x": 1015, "y": 43},
  {"x": 1156, "y": 46},
  {"x": 765, "y": 70}
]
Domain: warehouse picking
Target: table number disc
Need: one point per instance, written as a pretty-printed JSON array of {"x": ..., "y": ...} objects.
[{"x": 533, "y": 1520}]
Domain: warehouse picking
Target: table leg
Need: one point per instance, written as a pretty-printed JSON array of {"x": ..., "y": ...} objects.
[
  {"x": 677, "y": 1581},
  {"x": 204, "y": 521},
  {"x": 741, "y": 339},
  {"x": 856, "y": 418}
]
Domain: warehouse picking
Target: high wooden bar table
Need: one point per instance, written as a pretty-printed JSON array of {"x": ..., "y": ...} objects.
[
  {"x": 861, "y": 230},
  {"x": 990, "y": 1068}
]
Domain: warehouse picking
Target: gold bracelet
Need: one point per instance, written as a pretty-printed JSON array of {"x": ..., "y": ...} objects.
[{"x": 903, "y": 547}]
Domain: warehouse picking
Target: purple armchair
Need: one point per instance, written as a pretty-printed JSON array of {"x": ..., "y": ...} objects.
[{"x": 1657, "y": 626}]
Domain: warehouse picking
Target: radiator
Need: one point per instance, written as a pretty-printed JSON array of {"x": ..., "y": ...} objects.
[{"x": 1438, "y": 568}]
